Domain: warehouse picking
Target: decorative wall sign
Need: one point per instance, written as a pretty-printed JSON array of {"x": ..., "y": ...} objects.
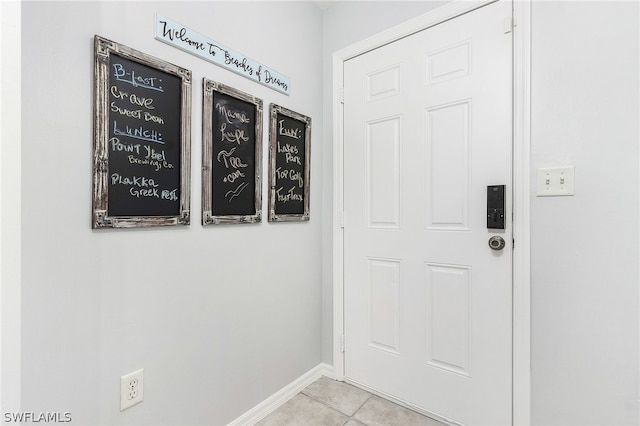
[
  {"x": 142, "y": 139},
  {"x": 289, "y": 160},
  {"x": 232, "y": 156},
  {"x": 190, "y": 41}
]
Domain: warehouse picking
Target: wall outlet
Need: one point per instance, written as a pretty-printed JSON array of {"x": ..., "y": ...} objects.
[{"x": 131, "y": 389}]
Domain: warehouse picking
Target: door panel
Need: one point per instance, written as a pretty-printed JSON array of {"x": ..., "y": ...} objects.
[
  {"x": 383, "y": 173},
  {"x": 447, "y": 139},
  {"x": 427, "y": 302},
  {"x": 448, "y": 316}
]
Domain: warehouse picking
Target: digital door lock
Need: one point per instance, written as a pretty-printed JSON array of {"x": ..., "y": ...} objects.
[{"x": 495, "y": 207}]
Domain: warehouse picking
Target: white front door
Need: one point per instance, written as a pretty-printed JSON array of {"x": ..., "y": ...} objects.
[{"x": 427, "y": 302}]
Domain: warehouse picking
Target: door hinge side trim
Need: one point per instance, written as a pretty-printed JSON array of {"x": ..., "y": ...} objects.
[{"x": 509, "y": 24}]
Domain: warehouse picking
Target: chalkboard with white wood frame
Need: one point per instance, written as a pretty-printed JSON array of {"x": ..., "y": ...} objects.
[
  {"x": 289, "y": 160},
  {"x": 142, "y": 139},
  {"x": 232, "y": 156}
]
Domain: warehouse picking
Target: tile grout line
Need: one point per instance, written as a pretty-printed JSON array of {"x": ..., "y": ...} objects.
[
  {"x": 329, "y": 407},
  {"x": 338, "y": 411},
  {"x": 360, "y": 407},
  {"x": 347, "y": 418}
]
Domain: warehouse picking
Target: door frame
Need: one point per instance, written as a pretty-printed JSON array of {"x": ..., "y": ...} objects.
[{"x": 521, "y": 108}]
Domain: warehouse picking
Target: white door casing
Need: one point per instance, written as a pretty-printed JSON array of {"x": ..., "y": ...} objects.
[{"x": 441, "y": 110}]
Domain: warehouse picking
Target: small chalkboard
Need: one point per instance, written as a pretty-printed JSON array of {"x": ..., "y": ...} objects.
[
  {"x": 289, "y": 155},
  {"x": 232, "y": 155},
  {"x": 142, "y": 139}
]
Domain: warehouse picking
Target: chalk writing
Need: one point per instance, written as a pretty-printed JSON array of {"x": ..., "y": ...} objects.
[
  {"x": 288, "y": 153},
  {"x": 233, "y": 178},
  {"x": 234, "y": 193},
  {"x": 232, "y": 118},
  {"x": 170, "y": 195},
  {"x": 145, "y": 162},
  {"x": 126, "y": 112},
  {"x": 229, "y": 160},
  {"x": 140, "y": 181},
  {"x": 234, "y": 136},
  {"x": 289, "y": 158},
  {"x": 141, "y": 187},
  {"x": 290, "y": 174},
  {"x": 295, "y": 175},
  {"x": 289, "y": 195},
  {"x": 133, "y": 98},
  {"x": 154, "y": 155},
  {"x": 295, "y": 133},
  {"x": 291, "y": 149},
  {"x": 154, "y": 118},
  {"x": 118, "y": 146},
  {"x": 155, "y": 159},
  {"x": 139, "y": 132},
  {"x": 130, "y": 77},
  {"x": 232, "y": 115}
]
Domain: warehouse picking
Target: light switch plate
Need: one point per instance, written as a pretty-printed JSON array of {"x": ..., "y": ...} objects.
[{"x": 556, "y": 181}]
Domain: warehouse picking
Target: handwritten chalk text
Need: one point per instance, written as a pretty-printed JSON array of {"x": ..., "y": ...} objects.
[
  {"x": 121, "y": 74},
  {"x": 290, "y": 195},
  {"x": 232, "y": 116}
]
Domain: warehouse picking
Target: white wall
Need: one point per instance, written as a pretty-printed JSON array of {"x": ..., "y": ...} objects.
[
  {"x": 584, "y": 251},
  {"x": 217, "y": 321},
  {"x": 9, "y": 207}
]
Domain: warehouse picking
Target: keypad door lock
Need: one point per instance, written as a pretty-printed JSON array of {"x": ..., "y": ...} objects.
[{"x": 495, "y": 207}]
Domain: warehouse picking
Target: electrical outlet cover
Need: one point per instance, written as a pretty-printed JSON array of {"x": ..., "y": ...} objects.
[
  {"x": 556, "y": 181},
  {"x": 131, "y": 389}
]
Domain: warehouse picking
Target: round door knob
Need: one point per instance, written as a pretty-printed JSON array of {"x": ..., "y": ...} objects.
[{"x": 496, "y": 243}]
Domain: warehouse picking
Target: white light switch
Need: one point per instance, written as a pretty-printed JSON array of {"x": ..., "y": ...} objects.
[{"x": 556, "y": 181}]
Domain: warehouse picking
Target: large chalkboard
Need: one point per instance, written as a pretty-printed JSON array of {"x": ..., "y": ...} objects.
[
  {"x": 141, "y": 140},
  {"x": 289, "y": 155},
  {"x": 232, "y": 155}
]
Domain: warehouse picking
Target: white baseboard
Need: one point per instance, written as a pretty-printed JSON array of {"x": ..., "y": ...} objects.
[{"x": 272, "y": 403}]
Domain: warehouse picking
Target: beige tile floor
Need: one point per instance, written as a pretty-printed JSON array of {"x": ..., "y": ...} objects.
[{"x": 327, "y": 402}]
